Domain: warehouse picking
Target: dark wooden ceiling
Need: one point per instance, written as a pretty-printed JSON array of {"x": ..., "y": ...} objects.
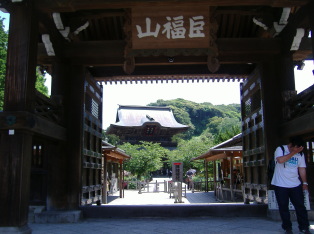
[{"x": 101, "y": 46}]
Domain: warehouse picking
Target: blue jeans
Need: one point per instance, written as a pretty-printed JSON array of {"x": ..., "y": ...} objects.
[{"x": 297, "y": 199}]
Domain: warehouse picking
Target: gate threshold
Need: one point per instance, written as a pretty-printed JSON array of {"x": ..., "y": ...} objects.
[{"x": 176, "y": 210}]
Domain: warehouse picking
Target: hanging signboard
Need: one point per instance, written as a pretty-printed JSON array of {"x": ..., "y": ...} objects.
[
  {"x": 177, "y": 171},
  {"x": 170, "y": 27}
]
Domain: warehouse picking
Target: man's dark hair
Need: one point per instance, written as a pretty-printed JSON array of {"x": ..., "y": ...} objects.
[{"x": 297, "y": 141}]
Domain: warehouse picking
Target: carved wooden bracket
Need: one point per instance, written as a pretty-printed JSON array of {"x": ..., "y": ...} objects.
[
  {"x": 129, "y": 65},
  {"x": 212, "y": 61},
  {"x": 129, "y": 62},
  {"x": 212, "y": 64}
]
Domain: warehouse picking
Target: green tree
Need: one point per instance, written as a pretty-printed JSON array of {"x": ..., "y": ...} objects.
[
  {"x": 188, "y": 149},
  {"x": 110, "y": 138},
  {"x": 228, "y": 128},
  {"x": 145, "y": 158},
  {"x": 40, "y": 82},
  {"x": 3, "y": 59},
  {"x": 213, "y": 124}
]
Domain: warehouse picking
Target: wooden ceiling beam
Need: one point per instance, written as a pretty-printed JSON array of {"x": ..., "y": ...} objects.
[
  {"x": 303, "y": 125},
  {"x": 297, "y": 20},
  {"x": 48, "y": 27},
  {"x": 304, "y": 51},
  {"x": 176, "y": 72},
  {"x": 111, "y": 53},
  {"x": 230, "y": 51},
  {"x": 71, "y": 6}
]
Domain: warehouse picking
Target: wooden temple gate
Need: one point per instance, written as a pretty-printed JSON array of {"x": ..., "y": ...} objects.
[
  {"x": 50, "y": 147},
  {"x": 265, "y": 124},
  {"x": 92, "y": 158}
]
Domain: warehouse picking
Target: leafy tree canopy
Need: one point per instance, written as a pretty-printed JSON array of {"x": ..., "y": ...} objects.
[
  {"x": 3, "y": 59},
  {"x": 40, "y": 82},
  {"x": 188, "y": 149},
  {"x": 145, "y": 158},
  {"x": 110, "y": 138}
]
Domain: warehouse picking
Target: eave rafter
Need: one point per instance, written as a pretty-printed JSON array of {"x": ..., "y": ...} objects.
[
  {"x": 195, "y": 78},
  {"x": 298, "y": 20},
  {"x": 115, "y": 155},
  {"x": 48, "y": 27}
]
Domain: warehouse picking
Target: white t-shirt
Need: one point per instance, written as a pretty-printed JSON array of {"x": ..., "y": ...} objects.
[{"x": 286, "y": 174}]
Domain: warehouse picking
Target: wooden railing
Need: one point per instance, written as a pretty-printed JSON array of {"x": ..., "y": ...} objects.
[
  {"x": 49, "y": 108},
  {"x": 298, "y": 105},
  {"x": 143, "y": 186},
  {"x": 201, "y": 185}
]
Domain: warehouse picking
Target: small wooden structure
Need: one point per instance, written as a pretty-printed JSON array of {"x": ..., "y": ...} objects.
[
  {"x": 227, "y": 165},
  {"x": 113, "y": 175}
]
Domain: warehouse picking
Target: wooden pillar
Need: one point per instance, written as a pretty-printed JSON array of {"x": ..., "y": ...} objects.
[
  {"x": 56, "y": 186},
  {"x": 285, "y": 77},
  {"x": 21, "y": 59},
  {"x": 60, "y": 74},
  {"x": 231, "y": 177},
  {"x": 206, "y": 175},
  {"x": 15, "y": 149},
  {"x": 57, "y": 152},
  {"x": 104, "y": 195},
  {"x": 310, "y": 166},
  {"x": 311, "y": 19},
  {"x": 121, "y": 178},
  {"x": 74, "y": 108},
  {"x": 215, "y": 176},
  {"x": 277, "y": 77}
]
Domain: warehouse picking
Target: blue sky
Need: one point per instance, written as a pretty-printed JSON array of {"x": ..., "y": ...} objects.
[{"x": 143, "y": 94}]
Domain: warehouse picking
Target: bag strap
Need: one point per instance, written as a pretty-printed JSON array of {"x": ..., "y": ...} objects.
[{"x": 283, "y": 153}]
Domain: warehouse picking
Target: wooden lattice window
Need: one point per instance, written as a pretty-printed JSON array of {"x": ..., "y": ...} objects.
[
  {"x": 256, "y": 101},
  {"x": 95, "y": 108}
]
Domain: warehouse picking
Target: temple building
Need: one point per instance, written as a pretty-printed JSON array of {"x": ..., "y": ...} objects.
[{"x": 146, "y": 123}]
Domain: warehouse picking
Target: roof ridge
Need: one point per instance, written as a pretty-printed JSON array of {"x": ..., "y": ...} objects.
[{"x": 143, "y": 107}]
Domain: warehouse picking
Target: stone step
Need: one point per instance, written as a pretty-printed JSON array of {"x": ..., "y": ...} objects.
[
  {"x": 38, "y": 214},
  {"x": 178, "y": 210}
]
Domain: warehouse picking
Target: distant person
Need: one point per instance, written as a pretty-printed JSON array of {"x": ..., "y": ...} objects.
[
  {"x": 189, "y": 177},
  {"x": 290, "y": 164},
  {"x": 170, "y": 174}
]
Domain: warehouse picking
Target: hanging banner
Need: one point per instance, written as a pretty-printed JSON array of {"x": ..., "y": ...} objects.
[{"x": 170, "y": 27}]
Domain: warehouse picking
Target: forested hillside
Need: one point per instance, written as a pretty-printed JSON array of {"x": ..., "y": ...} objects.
[
  {"x": 205, "y": 119},
  {"x": 209, "y": 125}
]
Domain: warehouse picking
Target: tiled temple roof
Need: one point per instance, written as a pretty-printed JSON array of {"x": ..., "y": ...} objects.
[{"x": 135, "y": 116}]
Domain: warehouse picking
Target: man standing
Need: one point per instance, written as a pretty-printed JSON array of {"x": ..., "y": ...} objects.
[{"x": 290, "y": 164}]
